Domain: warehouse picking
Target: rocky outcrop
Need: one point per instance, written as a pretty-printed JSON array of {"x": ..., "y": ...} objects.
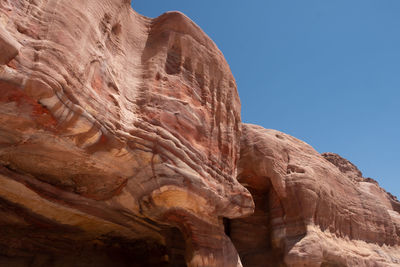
[
  {"x": 310, "y": 212},
  {"x": 121, "y": 144},
  {"x": 110, "y": 118},
  {"x": 352, "y": 172},
  {"x": 344, "y": 166}
]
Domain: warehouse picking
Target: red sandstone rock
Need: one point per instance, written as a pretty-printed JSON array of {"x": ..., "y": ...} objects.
[
  {"x": 345, "y": 166},
  {"x": 116, "y": 130},
  {"x": 119, "y": 118},
  {"x": 310, "y": 212}
]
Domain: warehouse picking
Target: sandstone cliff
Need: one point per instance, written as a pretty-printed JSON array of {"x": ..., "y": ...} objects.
[
  {"x": 121, "y": 144},
  {"x": 311, "y": 208}
]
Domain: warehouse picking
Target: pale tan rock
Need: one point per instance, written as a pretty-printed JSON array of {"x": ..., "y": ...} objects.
[{"x": 8, "y": 46}]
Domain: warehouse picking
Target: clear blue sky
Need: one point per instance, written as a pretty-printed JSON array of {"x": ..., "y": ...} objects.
[{"x": 326, "y": 72}]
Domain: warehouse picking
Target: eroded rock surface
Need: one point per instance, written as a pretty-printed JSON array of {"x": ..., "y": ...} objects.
[
  {"x": 310, "y": 212},
  {"x": 121, "y": 144},
  {"x": 345, "y": 166},
  {"x": 117, "y": 125}
]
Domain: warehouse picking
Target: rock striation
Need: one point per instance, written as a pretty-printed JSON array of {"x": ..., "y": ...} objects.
[
  {"x": 345, "y": 166},
  {"x": 120, "y": 120},
  {"x": 310, "y": 210},
  {"x": 121, "y": 144}
]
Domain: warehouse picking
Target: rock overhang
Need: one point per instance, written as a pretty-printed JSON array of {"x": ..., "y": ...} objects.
[
  {"x": 140, "y": 114},
  {"x": 134, "y": 124}
]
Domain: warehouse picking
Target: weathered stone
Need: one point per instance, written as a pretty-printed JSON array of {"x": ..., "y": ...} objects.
[
  {"x": 308, "y": 211},
  {"x": 114, "y": 117},
  {"x": 121, "y": 145},
  {"x": 345, "y": 166},
  {"x": 8, "y": 46}
]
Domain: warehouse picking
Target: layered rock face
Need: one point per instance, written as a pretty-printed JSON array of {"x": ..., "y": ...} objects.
[
  {"x": 121, "y": 145},
  {"x": 311, "y": 209},
  {"x": 120, "y": 120}
]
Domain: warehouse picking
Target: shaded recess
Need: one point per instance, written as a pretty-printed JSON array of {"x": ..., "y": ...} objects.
[
  {"x": 35, "y": 241},
  {"x": 252, "y": 235}
]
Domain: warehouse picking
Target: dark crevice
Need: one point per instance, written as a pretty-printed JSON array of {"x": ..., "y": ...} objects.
[
  {"x": 174, "y": 58},
  {"x": 227, "y": 226},
  {"x": 252, "y": 236},
  {"x": 175, "y": 244}
]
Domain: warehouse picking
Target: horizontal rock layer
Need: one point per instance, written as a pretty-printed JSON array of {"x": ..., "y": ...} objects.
[{"x": 119, "y": 118}]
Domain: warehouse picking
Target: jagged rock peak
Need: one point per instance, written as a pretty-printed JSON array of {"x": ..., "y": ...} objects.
[{"x": 344, "y": 165}]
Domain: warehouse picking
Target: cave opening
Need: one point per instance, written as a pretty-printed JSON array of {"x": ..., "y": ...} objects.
[
  {"x": 175, "y": 245},
  {"x": 252, "y": 235}
]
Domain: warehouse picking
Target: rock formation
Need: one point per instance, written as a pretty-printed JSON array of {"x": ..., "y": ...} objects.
[
  {"x": 121, "y": 144},
  {"x": 309, "y": 209}
]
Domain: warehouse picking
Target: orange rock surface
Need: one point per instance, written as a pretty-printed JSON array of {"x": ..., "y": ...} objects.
[
  {"x": 121, "y": 144},
  {"x": 311, "y": 212}
]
